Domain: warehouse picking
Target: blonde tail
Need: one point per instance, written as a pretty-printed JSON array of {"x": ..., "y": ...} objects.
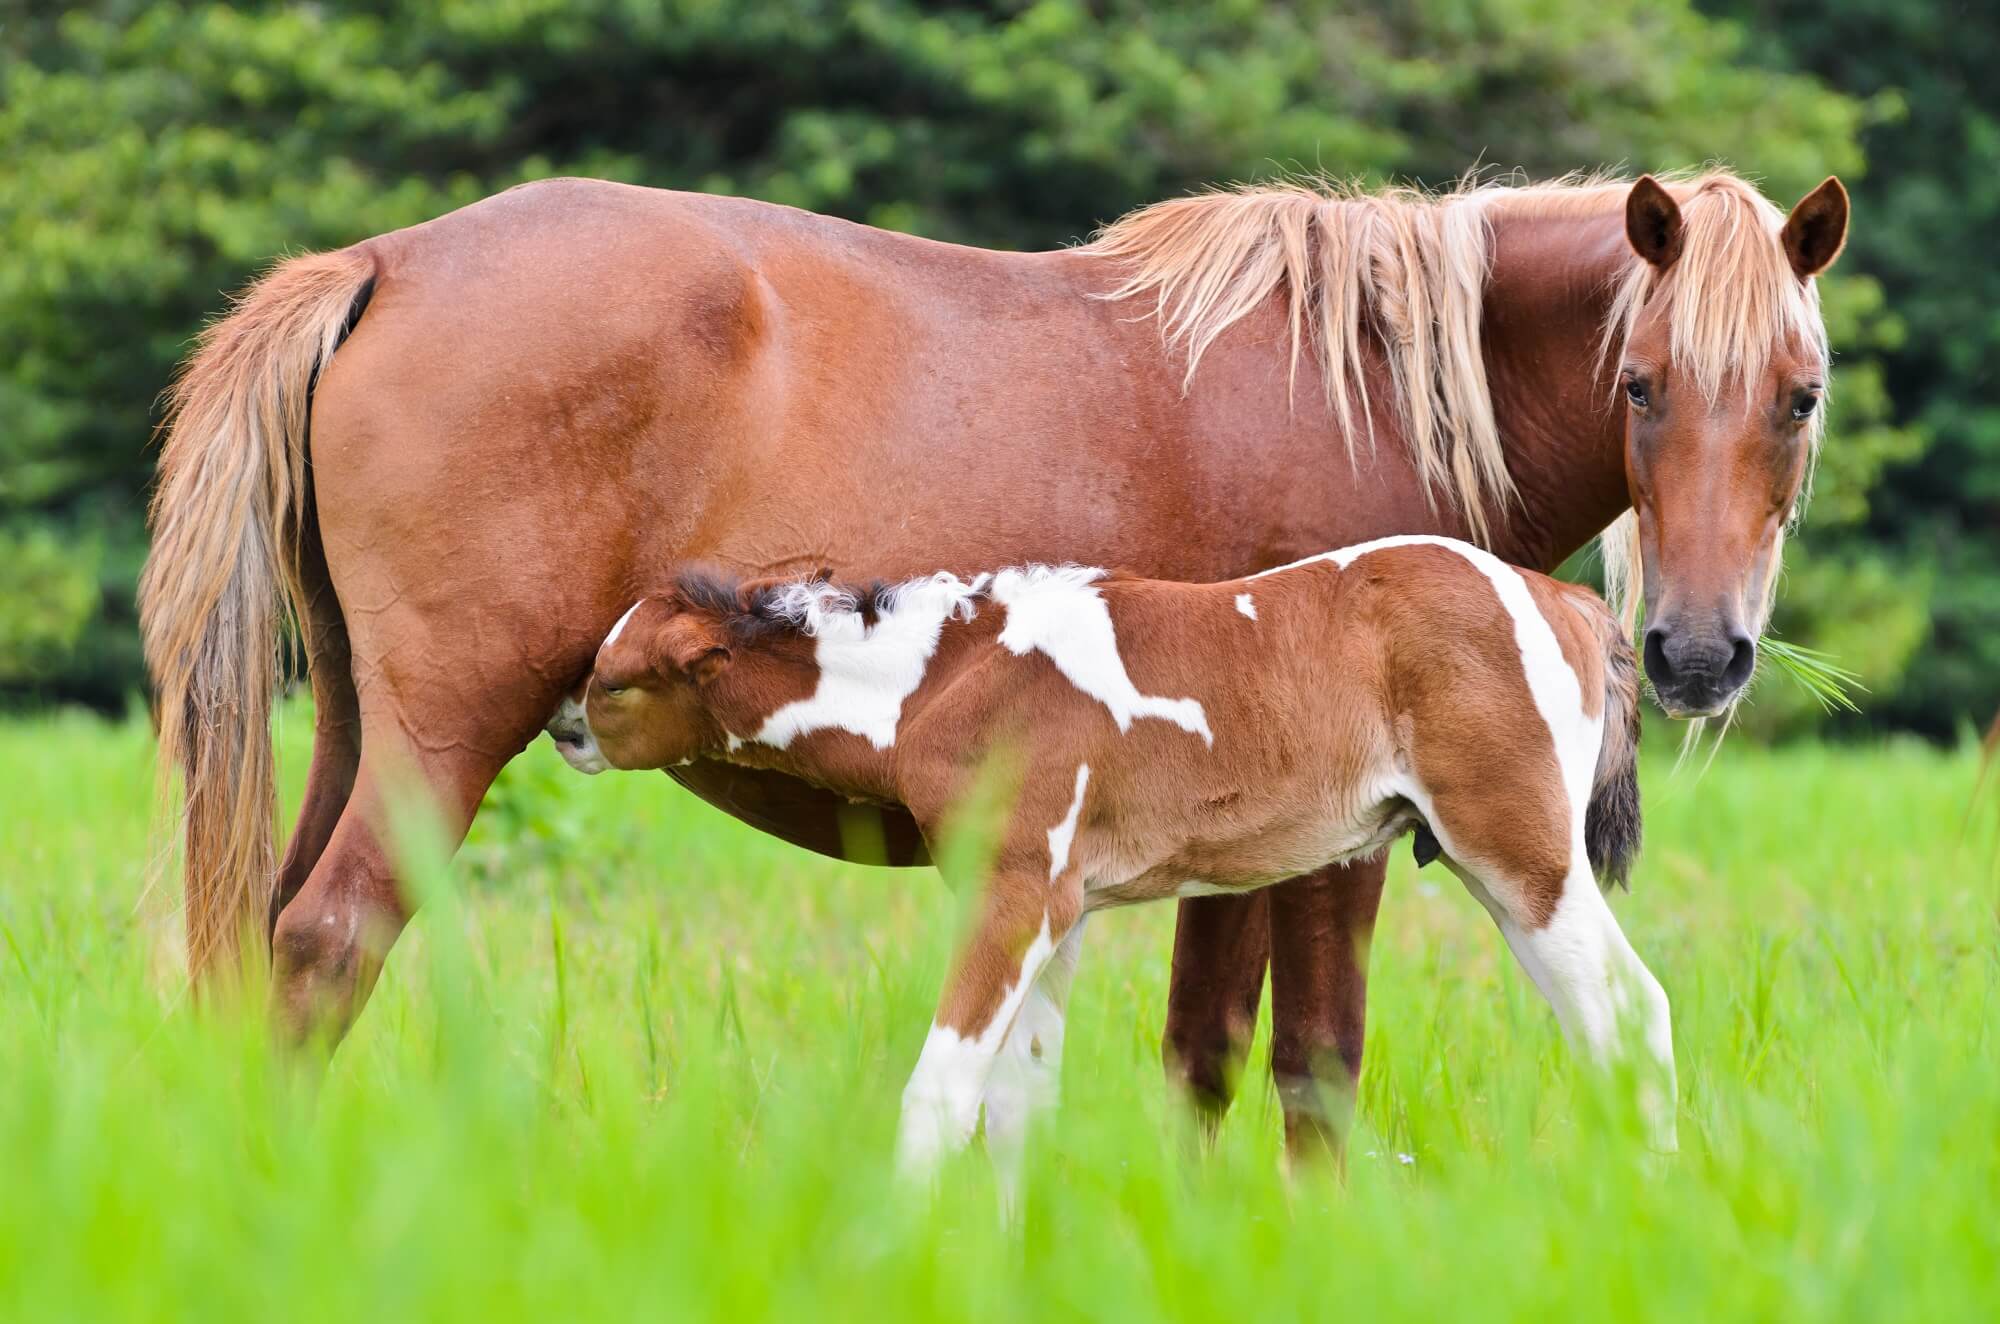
[
  {"x": 227, "y": 521},
  {"x": 1613, "y": 823}
]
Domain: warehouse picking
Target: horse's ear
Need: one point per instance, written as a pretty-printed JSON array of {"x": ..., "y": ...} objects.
[
  {"x": 1816, "y": 230},
  {"x": 690, "y": 645},
  {"x": 1653, "y": 222}
]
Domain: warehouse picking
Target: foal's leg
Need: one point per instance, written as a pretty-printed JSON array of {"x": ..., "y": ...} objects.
[
  {"x": 1023, "y": 923},
  {"x": 1524, "y": 860},
  {"x": 1504, "y": 780},
  {"x": 1605, "y": 998},
  {"x": 1027, "y": 1076}
]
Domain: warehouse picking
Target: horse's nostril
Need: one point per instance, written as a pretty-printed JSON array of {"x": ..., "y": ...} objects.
[
  {"x": 1657, "y": 665},
  {"x": 1742, "y": 661}
]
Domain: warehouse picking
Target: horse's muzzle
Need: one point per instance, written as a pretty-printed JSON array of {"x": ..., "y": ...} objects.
[{"x": 1698, "y": 672}]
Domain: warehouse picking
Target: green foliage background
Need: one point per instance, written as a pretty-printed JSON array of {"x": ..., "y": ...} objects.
[{"x": 154, "y": 156}]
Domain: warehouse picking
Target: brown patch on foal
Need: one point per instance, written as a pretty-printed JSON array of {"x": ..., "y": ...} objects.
[{"x": 1496, "y": 788}]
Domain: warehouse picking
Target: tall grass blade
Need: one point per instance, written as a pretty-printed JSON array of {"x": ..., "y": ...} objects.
[{"x": 1828, "y": 682}]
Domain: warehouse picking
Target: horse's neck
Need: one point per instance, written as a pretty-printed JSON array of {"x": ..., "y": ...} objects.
[{"x": 1550, "y": 288}]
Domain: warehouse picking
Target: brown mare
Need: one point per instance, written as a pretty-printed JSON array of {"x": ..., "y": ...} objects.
[
  {"x": 1161, "y": 740},
  {"x": 539, "y": 401}
]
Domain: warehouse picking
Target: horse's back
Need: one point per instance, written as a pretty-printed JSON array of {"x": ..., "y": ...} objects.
[
  {"x": 655, "y": 262},
  {"x": 711, "y": 362}
]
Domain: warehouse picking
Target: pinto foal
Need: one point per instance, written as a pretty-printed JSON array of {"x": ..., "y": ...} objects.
[{"x": 1167, "y": 740}]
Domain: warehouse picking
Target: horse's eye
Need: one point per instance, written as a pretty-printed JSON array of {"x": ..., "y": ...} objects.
[
  {"x": 1635, "y": 391},
  {"x": 612, "y": 691},
  {"x": 1802, "y": 408}
]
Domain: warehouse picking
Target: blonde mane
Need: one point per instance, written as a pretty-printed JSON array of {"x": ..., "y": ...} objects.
[
  {"x": 1408, "y": 269},
  {"x": 1730, "y": 296}
]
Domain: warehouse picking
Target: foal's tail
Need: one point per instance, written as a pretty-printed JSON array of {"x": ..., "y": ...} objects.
[
  {"x": 1611, "y": 826},
  {"x": 229, "y": 521}
]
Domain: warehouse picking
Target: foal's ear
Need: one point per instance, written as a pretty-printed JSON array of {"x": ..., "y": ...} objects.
[
  {"x": 691, "y": 646},
  {"x": 1816, "y": 230},
  {"x": 1653, "y": 222}
]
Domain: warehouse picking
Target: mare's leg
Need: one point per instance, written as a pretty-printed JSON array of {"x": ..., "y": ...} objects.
[
  {"x": 1221, "y": 944},
  {"x": 1024, "y": 921},
  {"x": 1315, "y": 931},
  {"x": 331, "y": 938},
  {"x": 1027, "y": 1076},
  {"x": 1321, "y": 926},
  {"x": 336, "y": 756}
]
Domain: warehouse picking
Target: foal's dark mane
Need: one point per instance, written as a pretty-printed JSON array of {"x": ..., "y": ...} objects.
[{"x": 754, "y": 611}]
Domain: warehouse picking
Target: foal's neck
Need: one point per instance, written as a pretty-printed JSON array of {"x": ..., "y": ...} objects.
[
  {"x": 767, "y": 677},
  {"x": 1547, "y": 297}
]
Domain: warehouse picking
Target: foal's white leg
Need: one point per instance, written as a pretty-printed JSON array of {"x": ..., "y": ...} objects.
[
  {"x": 1603, "y": 994},
  {"x": 1027, "y": 1076},
  {"x": 941, "y": 1101}
]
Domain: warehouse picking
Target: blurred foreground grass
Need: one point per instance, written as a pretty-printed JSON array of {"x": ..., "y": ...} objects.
[{"x": 646, "y": 1064}]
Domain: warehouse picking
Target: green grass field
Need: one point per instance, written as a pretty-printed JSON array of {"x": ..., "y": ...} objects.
[{"x": 638, "y": 1062}]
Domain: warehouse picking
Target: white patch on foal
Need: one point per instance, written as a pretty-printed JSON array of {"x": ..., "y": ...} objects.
[
  {"x": 1026, "y": 1078},
  {"x": 865, "y": 671},
  {"x": 1246, "y": 606},
  {"x": 619, "y": 628},
  {"x": 1196, "y": 887},
  {"x": 569, "y": 725},
  {"x": 1059, "y": 611},
  {"x": 1063, "y": 833}
]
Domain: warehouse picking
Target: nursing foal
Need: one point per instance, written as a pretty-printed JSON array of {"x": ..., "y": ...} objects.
[{"x": 1168, "y": 740}]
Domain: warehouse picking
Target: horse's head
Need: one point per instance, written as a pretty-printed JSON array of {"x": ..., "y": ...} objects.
[{"x": 1722, "y": 382}]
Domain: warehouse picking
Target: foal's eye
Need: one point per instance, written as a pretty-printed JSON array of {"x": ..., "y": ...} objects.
[
  {"x": 1635, "y": 391},
  {"x": 1803, "y": 406},
  {"x": 612, "y": 690}
]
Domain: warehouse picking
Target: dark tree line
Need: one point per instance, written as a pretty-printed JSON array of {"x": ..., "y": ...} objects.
[{"x": 154, "y": 156}]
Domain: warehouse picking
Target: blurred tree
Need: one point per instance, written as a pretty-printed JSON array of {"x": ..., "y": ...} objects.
[
  {"x": 159, "y": 154},
  {"x": 1925, "y": 214}
]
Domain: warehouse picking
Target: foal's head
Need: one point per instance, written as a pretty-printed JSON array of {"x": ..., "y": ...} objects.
[
  {"x": 1722, "y": 382},
  {"x": 647, "y": 700}
]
